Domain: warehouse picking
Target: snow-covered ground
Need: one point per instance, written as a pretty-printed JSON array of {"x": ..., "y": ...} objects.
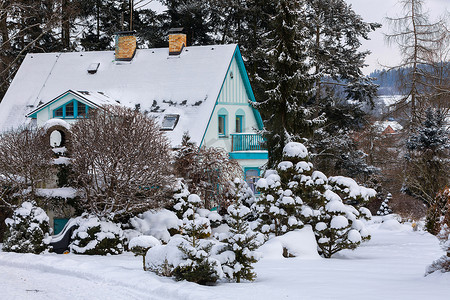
[{"x": 390, "y": 266}]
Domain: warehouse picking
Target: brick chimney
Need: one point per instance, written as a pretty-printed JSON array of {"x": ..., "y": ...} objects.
[
  {"x": 177, "y": 41},
  {"x": 125, "y": 45}
]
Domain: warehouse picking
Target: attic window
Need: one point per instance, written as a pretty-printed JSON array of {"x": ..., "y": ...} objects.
[
  {"x": 92, "y": 69},
  {"x": 169, "y": 122}
]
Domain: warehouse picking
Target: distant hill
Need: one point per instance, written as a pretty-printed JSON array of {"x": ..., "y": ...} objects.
[{"x": 388, "y": 80}]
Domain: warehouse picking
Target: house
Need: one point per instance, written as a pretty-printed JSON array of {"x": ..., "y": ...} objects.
[
  {"x": 390, "y": 127},
  {"x": 204, "y": 90}
]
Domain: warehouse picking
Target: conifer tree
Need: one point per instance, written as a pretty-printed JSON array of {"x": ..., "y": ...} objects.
[
  {"x": 427, "y": 168},
  {"x": 241, "y": 241},
  {"x": 287, "y": 83},
  {"x": 384, "y": 207},
  {"x": 336, "y": 31},
  {"x": 280, "y": 205},
  {"x": 198, "y": 266},
  {"x": 319, "y": 202}
]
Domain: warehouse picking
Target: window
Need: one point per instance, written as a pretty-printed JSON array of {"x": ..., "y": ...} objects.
[
  {"x": 169, "y": 122},
  {"x": 239, "y": 123},
  {"x": 72, "y": 109},
  {"x": 251, "y": 177},
  {"x": 81, "y": 109},
  {"x": 222, "y": 123},
  {"x": 58, "y": 112},
  {"x": 69, "y": 110}
]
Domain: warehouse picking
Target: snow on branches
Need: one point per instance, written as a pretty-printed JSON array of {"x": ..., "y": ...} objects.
[{"x": 294, "y": 194}]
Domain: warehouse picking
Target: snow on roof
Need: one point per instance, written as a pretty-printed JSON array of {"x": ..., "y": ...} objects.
[
  {"x": 382, "y": 125},
  {"x": 390, "y": 99},
  {"x": 187, "y": 85}
]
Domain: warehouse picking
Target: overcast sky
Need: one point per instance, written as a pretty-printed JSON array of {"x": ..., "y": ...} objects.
[{"x": 376, "y": 11}]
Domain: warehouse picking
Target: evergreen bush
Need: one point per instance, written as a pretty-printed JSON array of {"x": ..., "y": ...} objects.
[
  {"x": 96, "y": 237},
  {"x": 28, "y": 230},
  {"x": 294, "y": 194}
]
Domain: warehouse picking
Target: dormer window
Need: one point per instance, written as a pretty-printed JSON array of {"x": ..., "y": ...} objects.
[
  {"x": 169, "y": 122},
  {"x": 71, "y": 110}
]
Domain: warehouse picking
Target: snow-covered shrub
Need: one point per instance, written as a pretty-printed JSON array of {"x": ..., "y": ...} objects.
[
  {"x": 187, "y": 257},
  {"x": 141, "y": 244},
  {"x": 239, "y": 253},
  {"x": 198, "y": 266},
  {"x": 161, "y": 223},
  {"x": 337, "y": 226},
  {"x": 28, "y": 230},
  {"x": 350, "y": 191},
  {"x": 163, "y": 259},
  {"x": 443, "y": 263},
  {"x": 384, "y": 207},
  {"x": 96, "y": 237},
  {"x": 298, "y": 243},
  {"x": 294, "y": 194}
]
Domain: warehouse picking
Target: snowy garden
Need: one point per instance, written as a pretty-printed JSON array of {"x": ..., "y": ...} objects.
[
  {"x": 390, "y": 266},
  {"x": 250, "y": 159},
  {"x": 299, "y": 238}
]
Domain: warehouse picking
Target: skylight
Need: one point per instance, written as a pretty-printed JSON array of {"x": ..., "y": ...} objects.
[
  {"x": 169, "y": 122},
  {"x": 92, "y": 69}
]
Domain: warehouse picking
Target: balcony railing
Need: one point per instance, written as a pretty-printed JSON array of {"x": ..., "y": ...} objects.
[{"x": 247, "y": 142}]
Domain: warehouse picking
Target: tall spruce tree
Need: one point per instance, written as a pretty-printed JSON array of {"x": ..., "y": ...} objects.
[
  {"x": 335, "y": 31},
  {"x": 287, "y": 83}
]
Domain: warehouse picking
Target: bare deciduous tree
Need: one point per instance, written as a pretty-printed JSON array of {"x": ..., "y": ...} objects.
[
  {"x": 120, "y": 161},
  {"x": 25, "y": 163},
  {"x": 421, "y": 43}
]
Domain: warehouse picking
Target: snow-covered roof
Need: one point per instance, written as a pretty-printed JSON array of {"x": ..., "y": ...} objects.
[
  {"x": 187, "y": 85},
  {"x": 383, "y": 125}
]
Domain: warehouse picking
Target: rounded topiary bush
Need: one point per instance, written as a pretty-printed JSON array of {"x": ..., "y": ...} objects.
[
  {"x": 28, "y": 230},
  {"x": 96, "y": 237}
]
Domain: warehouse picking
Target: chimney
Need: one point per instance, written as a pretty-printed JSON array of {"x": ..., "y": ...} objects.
[
  {"x": 177, "y": 41},
  {"x": 125, "y": 45}
]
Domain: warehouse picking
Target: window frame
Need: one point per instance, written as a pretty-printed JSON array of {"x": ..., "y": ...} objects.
[
  {"x": 224, "y": 129},
  {"x": 75, "y": 110},
  {"x": 222, "y": 114},
  {"x": 240, "y": 121},
  {"x": 252, "y": 185},
  {"x": 175, "y": 122}
]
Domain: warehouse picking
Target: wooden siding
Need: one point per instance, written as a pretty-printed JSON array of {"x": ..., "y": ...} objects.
[{"x": 233, "y": 89}]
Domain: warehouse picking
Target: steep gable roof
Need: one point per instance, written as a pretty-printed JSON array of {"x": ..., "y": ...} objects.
[{"x": 188, "y": 84}]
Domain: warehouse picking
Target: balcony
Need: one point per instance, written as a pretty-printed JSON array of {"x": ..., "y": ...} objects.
[{"x": 247, "y": 142}]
